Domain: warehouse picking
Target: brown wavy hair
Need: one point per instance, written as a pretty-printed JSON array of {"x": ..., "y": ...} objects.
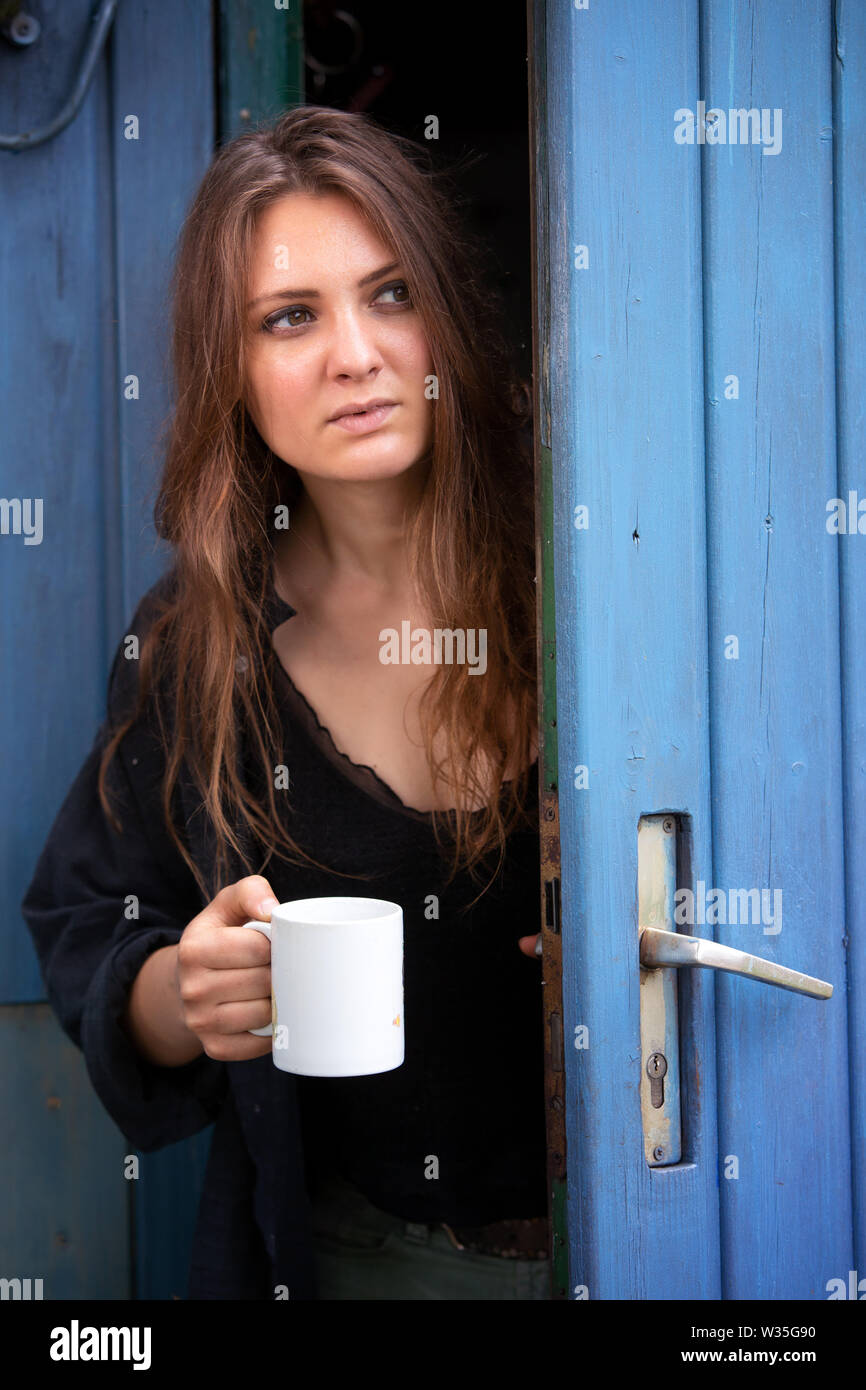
[{"x": 471, "y": 542}]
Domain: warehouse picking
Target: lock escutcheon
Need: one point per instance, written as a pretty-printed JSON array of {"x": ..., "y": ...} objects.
[{"x": 656, "y": 1067}]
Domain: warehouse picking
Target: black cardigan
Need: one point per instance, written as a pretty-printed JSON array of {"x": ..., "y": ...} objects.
[{"x": 253, "y": 1231}]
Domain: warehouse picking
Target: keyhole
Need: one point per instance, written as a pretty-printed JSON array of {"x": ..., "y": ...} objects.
[{"x": 657, "y": 1065}]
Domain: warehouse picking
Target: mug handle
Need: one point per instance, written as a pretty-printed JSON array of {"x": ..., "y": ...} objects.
[{"x": 265, "y": 929}]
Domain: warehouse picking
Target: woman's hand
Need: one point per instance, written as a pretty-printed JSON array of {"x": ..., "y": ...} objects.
[{"x": 223, "y": 973}]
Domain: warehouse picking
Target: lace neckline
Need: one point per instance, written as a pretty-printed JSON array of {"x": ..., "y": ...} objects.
[{"x": 277, "y": 611}]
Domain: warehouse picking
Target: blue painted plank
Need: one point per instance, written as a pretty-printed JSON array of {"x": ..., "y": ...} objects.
[
  {"x": 57, "y": 291},
  {"x": 166, "y": 1209},
  {"x": 162, "y": 73},
  {"x": 65, "y": 1214},
  {"x": 84, "y": 270},
  {"x": 773, "y": 586},
  {"x": 627, "y": 437},
  {"x": 849, "y": 182}
]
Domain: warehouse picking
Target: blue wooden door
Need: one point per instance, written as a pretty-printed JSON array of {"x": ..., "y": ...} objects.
[
  {"x": 90, "y": 218},
  {"x": 699, "y": 205}
]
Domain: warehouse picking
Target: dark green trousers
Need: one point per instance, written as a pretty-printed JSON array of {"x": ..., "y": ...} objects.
[{"x": 364, "y": 1253}]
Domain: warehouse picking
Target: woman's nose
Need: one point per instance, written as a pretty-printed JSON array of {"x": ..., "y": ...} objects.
[{"x": 353, "y": 345}]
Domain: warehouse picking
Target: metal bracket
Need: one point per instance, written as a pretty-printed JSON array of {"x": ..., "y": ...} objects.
[
  {"x": 659, "y": 1043},
  {"x": 101, "y": 23}
]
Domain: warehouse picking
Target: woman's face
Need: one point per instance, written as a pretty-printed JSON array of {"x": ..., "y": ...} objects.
[{"x": 330, "y": 325}]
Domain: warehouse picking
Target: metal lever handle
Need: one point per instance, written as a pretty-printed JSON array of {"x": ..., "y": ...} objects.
[
  {"x": 100, "y": 25},
  {"x": 670, "y": 948}
]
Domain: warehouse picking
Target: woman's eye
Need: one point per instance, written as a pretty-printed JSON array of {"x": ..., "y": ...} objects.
[
  {"x": 271, "y": 323},
  {"x": 295, "y": 321},
  {"x": 391, "y": 289}
]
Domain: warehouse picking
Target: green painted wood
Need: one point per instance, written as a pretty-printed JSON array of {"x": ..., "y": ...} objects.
[
  {"x": 65, "y": 1214},
  {"x": 261, "y": 62}
]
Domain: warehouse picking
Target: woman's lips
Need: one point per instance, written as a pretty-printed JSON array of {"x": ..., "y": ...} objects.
[{"x": 363, "y": 424}]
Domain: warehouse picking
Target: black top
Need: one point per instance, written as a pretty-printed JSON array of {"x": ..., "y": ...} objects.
[{"x": 467, "y": 1101}]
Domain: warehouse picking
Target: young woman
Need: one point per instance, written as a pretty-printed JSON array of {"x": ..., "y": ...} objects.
[{"x": 348, "y": 453}]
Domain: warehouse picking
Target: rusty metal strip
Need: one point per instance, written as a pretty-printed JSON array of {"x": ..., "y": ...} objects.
[{"x": 548, "y": 760}]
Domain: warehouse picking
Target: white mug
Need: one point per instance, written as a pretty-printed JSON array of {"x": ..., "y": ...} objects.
[{"x": 336, "y": 986}]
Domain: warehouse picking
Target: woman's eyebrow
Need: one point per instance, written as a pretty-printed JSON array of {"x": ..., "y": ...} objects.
[{"x": 315, "y": 294}]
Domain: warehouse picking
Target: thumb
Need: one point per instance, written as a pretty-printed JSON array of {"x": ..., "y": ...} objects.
[
  {"x": 531, "y": 945},
  {"x": 248, "y": 899}
]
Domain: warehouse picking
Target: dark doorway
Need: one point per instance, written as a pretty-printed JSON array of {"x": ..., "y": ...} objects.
[{"x": 465, "y": 65}]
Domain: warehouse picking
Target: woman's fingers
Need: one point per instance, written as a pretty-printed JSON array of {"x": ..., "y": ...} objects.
[
  {"x": 223, "y": 972},
  {"x": 531, "y": 945},
  {"x": 247, "y": 900}
]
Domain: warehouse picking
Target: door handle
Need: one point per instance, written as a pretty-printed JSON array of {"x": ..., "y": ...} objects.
[
  {"x": 662, "y": 952},
  {"x": 671, "y": 949}
]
